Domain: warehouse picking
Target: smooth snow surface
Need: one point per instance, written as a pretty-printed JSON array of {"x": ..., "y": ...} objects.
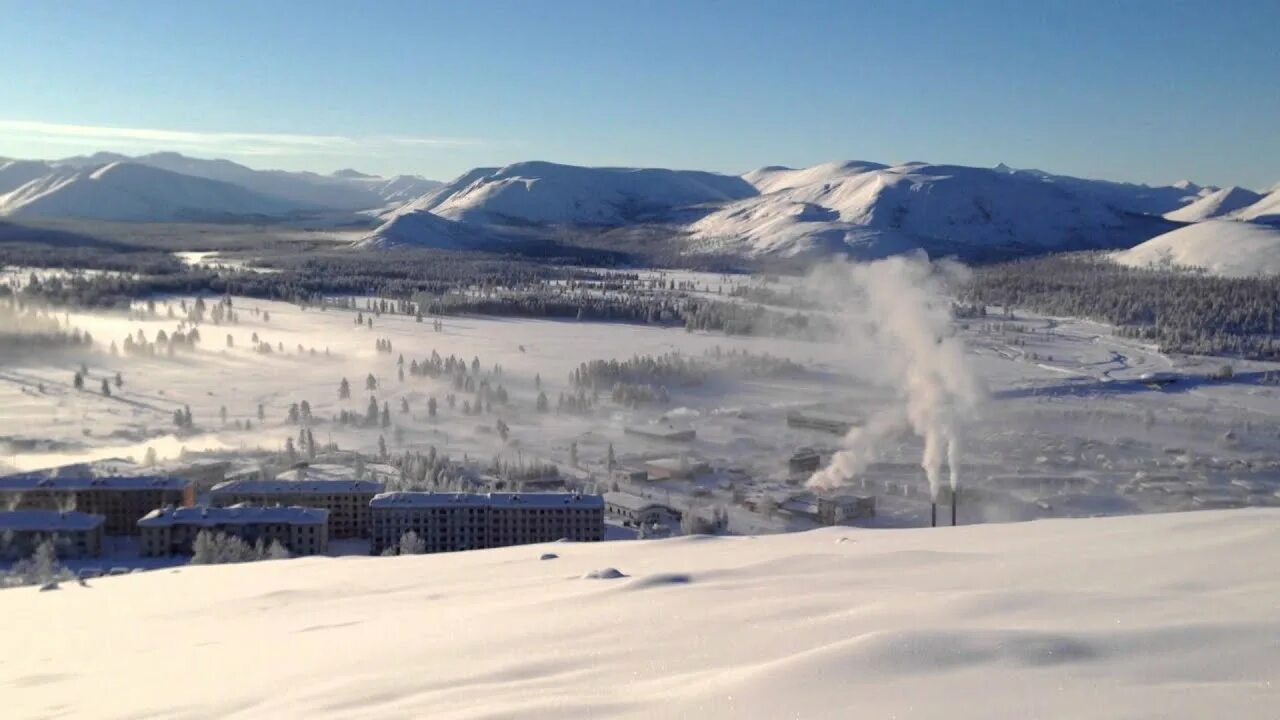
[
  {"x": 1161, "y": 616},
  {"x": 1222, "y": 247},
  {"x": 1266, "y": 210},
  {"x": 1216, "y": 204}
]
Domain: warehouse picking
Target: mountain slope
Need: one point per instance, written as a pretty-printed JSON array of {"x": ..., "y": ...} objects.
[
  {"x": 1216, "y": 204},
  {"x": 1157, "y": 616},
  {"x": 1125, "y": 197},
  {"x": 1222, "y": 247},
  {"x": 132, "y": 192},
  {"x": 871, "y": 210},
  {"x": 548, "y": 193},
  {"x": 1265, "y": 210},
  {"x": 422, "y": 229},
  {"x": 16, "y": 173}
]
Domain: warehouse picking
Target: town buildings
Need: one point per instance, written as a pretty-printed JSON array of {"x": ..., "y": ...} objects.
[
  {"x": 118, "y": 490},
  {"x": 466, "y": 521},
  {"x": 173, "y": 531},
  {"x": 73, "y": 534},
  {"x": 345, "y": 499},
  {"x": 636, "y": 511}
]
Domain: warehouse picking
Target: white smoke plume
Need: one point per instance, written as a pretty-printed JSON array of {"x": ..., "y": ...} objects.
[{"x": 900, "y": 308}]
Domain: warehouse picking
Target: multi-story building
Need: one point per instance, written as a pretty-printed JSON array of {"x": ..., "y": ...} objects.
[
  {"x": 118, "y": 490},
  {"x": 465, "y": 521},
  {"x": 346, "y": 500},
  {"x": 74, "y": 534},
  {"x": 173, "y": 531}
]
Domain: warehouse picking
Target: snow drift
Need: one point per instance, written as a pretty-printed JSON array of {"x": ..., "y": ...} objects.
[
  {"x": 1160, "y": 616},
  {"x": 422, "y": 229},
  {"x": 1221, "y": 247}
]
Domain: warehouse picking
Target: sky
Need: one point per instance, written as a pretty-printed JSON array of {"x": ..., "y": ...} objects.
[{"x": 1137, "y": 90}]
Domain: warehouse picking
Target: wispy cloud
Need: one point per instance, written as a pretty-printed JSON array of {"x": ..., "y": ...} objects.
[{"x": 229, "y": 143}]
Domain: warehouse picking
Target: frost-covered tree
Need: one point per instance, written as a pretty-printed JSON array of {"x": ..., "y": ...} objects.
[
  {"x": 344, "y": 390},
  {"x": 610, "y": 460},
  {"x": 277, "y": 551},
  {"x": 119, "y": 380},
  {"x": 542, "y": 403},
  {"x": 371, "y": 382},
  {"x": 78, "y": 381},
  {"x": 411, "y": 544},
  {"x": 106, "y": 388},
  {"x": 431, "y": 406},
  {"x": 573, "y": 454}
]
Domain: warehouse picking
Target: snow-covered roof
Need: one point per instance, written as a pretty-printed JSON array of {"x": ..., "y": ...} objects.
[
  {"x": 48, "y": 520},
  {"x": 635, "y": 503},
  {"x": 540, "y": 500},
  {"x": 331, "y": 471},
  {"x": 234, "y": 515},
  {"x": 112, "y": 474},
  {"x": 284, "y": 486},
  {"x": 546, "y": 500},
  {"x": 428, "y": 499}
]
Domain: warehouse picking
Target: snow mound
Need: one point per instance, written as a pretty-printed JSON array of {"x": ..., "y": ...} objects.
[
  {"x": 548, "y": 193},
  {"x": 603, "y": 574},
  {"x": 870, "y": 211},
  {"x": 422, "y": 229},
  {"x": 1265, "y": 210},
  {"x": 128, "y": 191},
  {"x": 1221, "y": 247},
  {"x": 1168, "y": 616},
  {"x": 1216, "y": 204}
]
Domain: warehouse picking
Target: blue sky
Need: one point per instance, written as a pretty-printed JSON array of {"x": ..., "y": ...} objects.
[{"x": 1136, "y": 90}]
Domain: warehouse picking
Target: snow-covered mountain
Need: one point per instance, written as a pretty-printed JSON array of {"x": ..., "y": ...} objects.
[
  {"x": 276, "y": 191},
  {"x": 1216, "y": 204},
  {"x": 1265, "y": 210},
  {"x": 548, "y": 193},
  {"x": 1126, "y": 197},
  {"x": 871, "y": 210},
  {"x": 1155, "y": 616},
  {"x": 422, "y": 229},
  {"x": 1221, "y": 247},
  {"x": 127, "y": 191}
]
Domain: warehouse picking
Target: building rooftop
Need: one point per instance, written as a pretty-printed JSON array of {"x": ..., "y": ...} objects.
[
  {"x": 48, "y": 520},
  {"x": 631, "y": 502},
  {"x": 374, "y": 472},
  {"x": 234, "y": 515},
  {"x": 113, "y": 474},
  {"x": 285, "y": 486},
  {"x": 541, "y": 500}
]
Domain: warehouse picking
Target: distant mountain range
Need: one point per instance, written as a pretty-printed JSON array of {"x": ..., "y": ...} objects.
[
  {"x": 862, "y": 209},
  {"x": 160, "y": 187}
]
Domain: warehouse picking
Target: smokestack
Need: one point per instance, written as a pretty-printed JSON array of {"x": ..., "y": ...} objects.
[
  {"x": 955, "y": 500},
  {"x": 933, "y": 514}
]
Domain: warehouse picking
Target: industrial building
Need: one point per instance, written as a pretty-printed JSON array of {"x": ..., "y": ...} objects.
[
  {"x": 73, "y": 534},
  {"x": 118, "y": 490},
  {"x": 465, "y": 521},
  {"x": 173, "y": 531},
  {"x": 635, "y": 511},
  {"x": 346, "y": 500}
]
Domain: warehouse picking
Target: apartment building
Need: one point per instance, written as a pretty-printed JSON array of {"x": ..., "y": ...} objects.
[
  {"x": 173, "y": 531},
  {"x": 74, "y": 534},
  {"x": 465, "y": 521},
  {"x": 118, "y": 490},
  {"x": 347, "y": 501}
]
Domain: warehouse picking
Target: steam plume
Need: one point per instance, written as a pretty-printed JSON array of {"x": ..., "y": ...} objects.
[{"x": 900, "y": 307}]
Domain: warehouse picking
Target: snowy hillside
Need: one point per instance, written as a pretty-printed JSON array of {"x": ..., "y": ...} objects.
[
  {"x": 1163, "y": 616},
  {"x": 1222, "y": 247},
  {"x": 542, "y": 192},
  {"x": 132, "y": 192},
  {"x": 1265, "y": 210},
  {"x": 872, "y": 210},
  {"x": 424, "y": 230},
  {"x": 1125, "y": 197},
  {"x": 302, "y": 189},
  {"x": 1216, "y": 204}
]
